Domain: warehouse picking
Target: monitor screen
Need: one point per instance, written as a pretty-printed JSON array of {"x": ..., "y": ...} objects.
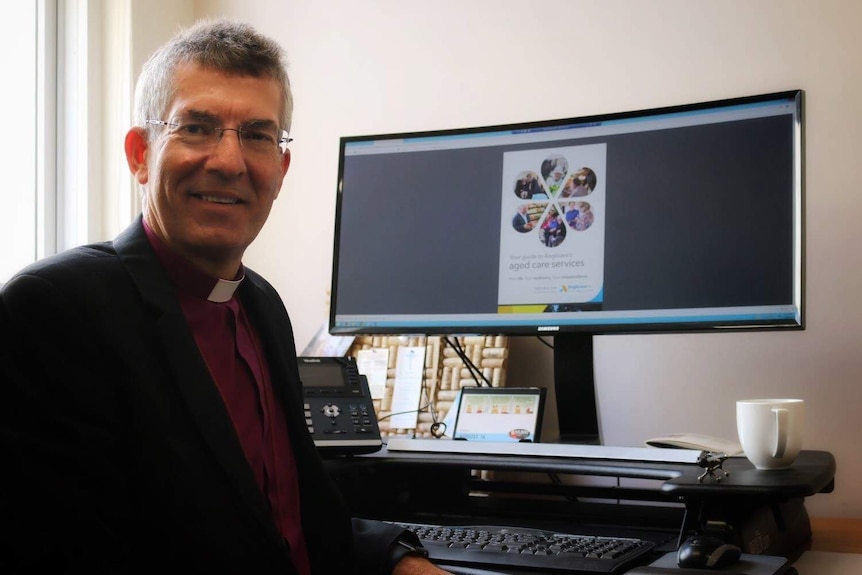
[
  {"x": 508, "y": 414},
  {"x": 673, "y": 219}
]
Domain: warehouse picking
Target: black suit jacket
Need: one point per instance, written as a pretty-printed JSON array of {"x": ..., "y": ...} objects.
[{"x": 118, "y": 452}]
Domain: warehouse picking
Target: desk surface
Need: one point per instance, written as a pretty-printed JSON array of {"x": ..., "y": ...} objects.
[
  {"x": 813, "y": 472},
  {"x": 826, "y": 563},
  {"x": 836, "y": 547}
]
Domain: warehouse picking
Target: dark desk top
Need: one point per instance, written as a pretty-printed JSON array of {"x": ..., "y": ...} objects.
[{"x": 812, "y": 473}]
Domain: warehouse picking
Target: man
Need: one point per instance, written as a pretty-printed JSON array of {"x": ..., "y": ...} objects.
[
  {"x": 150, "y": 410},
  {"x": 521, "y": 220}
]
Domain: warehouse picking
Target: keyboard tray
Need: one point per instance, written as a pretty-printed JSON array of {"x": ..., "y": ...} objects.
[{"x": 517, "y": 548}]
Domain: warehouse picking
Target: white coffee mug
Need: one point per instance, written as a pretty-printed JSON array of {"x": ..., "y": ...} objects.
[{"x": 770, "y": 431}]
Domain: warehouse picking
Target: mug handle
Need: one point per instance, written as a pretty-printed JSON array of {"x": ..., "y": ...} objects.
[{"x": 780, "y": 432}]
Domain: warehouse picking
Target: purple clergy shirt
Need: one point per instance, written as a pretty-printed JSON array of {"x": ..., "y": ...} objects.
[{"x": 233, "y": 353}]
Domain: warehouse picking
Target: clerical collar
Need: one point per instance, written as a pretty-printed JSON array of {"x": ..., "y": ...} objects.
[
  {"x": 189, "y": 279},
  {"x": 224, "y": 290}
]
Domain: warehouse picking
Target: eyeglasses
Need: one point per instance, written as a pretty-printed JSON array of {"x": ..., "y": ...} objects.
[{"x": 259, "y": 139}]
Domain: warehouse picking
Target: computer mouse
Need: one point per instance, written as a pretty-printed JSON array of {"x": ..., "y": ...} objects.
[{"x": 707, "y": 552}]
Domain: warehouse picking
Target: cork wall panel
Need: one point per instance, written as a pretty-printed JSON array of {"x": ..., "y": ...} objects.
[{"x": 444, "y": 375}]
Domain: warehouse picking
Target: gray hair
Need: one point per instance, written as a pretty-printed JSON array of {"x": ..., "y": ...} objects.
[{"x": 219, "y": 44}]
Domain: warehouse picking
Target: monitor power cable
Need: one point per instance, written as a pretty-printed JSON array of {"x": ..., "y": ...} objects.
[{"x": 471, "y": 367}]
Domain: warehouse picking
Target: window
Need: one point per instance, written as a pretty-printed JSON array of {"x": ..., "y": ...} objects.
[
  {"x": 65, "y": 182},
  {"x": 18, "y": 146}
]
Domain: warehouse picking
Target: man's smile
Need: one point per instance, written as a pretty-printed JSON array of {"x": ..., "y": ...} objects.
[{"x": 217, "y": 199}]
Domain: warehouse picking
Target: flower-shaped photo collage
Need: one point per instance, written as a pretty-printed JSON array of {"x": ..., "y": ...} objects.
[{"x": 554, "y": 200}]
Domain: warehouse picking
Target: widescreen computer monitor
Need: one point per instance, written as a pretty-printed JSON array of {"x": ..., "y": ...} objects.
[{"x": 684, "y": 218}]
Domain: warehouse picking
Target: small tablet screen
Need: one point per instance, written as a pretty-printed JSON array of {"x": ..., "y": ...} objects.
[{"x": 500, "y": 414}]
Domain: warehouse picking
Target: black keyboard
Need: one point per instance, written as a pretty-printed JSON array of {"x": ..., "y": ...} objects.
[{"x": 517, "y": 548}]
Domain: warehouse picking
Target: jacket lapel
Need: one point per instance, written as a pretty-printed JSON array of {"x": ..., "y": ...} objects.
[{"x": 189, "y": 371}]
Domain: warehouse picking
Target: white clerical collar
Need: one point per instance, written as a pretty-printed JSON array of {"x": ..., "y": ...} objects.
[{"x": 224, "y": 290}]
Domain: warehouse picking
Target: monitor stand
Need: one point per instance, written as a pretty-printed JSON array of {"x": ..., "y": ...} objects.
[{"x": 574, "y": 386}]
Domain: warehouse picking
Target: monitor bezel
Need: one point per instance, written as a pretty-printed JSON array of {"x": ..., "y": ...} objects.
[{"x": 549, "y": 327}]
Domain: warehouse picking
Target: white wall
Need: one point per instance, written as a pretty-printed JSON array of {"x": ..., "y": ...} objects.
[{"x": 390, "y": 65}]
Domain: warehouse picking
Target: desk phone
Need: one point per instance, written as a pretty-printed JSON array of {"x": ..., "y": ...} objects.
[{"x": 339, "y": 412}]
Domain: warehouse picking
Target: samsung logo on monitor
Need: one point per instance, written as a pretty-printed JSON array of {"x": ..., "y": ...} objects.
[{"x": 548, "y": 328}]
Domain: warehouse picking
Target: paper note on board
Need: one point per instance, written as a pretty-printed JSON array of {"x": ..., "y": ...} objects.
[
  {"x": 373, "y": 364},
  {"x": 408, "y": 387}
]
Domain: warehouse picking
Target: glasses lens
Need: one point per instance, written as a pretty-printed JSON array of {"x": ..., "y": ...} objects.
[
  {"x": 260, "y": 138},
  {"x": 194, "y": 132}
]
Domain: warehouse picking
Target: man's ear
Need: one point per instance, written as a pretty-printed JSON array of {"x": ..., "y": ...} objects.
[
  {"x": 136, "y": 147},
  {"x": 285, "y": 164}
]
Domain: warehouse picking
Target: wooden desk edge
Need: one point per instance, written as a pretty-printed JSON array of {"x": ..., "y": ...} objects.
[{"x": 836, "y": 534}]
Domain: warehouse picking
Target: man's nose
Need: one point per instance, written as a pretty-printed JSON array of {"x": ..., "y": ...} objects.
[{"x": 227, "y": 153}]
